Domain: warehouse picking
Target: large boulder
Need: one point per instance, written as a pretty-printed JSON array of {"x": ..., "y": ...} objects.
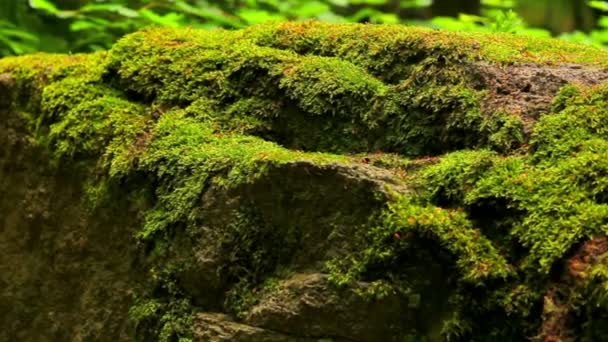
[{"x": 306, "y": 182}]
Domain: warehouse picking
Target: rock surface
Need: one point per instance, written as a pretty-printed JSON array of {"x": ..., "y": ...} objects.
[{"x": 218, "y": 327}]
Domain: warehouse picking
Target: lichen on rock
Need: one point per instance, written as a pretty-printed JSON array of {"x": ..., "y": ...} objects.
[{"x": 305, "y": 182}]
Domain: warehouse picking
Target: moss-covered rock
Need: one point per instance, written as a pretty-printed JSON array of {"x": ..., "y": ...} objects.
[{"x": 305, "y": 182}]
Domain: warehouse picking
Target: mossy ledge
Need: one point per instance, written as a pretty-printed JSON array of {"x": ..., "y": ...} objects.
[{"x": 306, "y": 182}]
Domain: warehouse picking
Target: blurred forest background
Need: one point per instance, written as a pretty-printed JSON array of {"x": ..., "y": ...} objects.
[{"x": 87, "y": 25}]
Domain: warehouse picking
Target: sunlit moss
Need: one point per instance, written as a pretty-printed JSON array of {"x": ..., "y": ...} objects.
[{"x": 381, "y": 47}]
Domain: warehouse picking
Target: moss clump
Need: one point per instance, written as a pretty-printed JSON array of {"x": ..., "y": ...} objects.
[
  {"x": 536, "y": 208},
  {"x": 88, "y": 118},
  {"x": 288, "y": 95},
  {"x": 395, "y": 47},
  {"x": 219, "y": 136},
  {"x": 224, "y": 159},
  {"x": 579, "y": 124}
]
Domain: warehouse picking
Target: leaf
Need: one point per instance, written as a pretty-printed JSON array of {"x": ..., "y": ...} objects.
[
  {"x": 415, "y": 3},
  {"x": 8, "y": 29},
  {"x": 81, "y": 25},
  {"x": 45, "y": 5},
  {"x": 169, "y": 20},
  {"x": 50, "y": 8},
  {"x": 210, "y": 13},
  {"x": 341, "y": 3},
  {"x": 601, "y": 5},
  {"x": 16, "y": 33},
  {"x": 499, "y": 3},
  {"x": 253, "y": 16},
  {"x": 15, "y": 46},
  {"x": 374, "y": 16},
  {"x": 312, "y": 9},
  {"x": 115, "y": 8},
  {"x": 368, "y": 2},
  {"x": 603, "y": 21}
]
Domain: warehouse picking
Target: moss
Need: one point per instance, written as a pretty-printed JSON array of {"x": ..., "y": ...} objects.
[
  {"x": 245, "y": 294},
  {"x": 579, "y": 123},
  {"x": 533, "y": 210},
  {"x": 164, "y": 322},
  {"x": 86, "y": 118},
  {"x": 476, "y": 257},
  {"x": 383, "y": 47},
  {"x": 505, "y": 132},
  {"x": 32, "y": 73},
  {"x": 556, "y": 214},
  {"x": 342, "y": 93},
  {"x": 40, "y": 69},
  {"x": 447, "y": 182},
  {"x": 222, "y": 158},
  {"x": 175, "y": 113}
]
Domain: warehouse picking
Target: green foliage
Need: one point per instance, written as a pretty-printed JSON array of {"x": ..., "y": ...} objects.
[
  {"x": 93, "y": 26},
  {"x": 599, "y": 35},
  {"x": 63, "y": 26},
  {"x": 501, "y": 21},
  {"x": 14, "y": 40}
]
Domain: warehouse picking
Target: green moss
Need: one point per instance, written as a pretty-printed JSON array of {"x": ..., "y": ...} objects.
[
  {"x": 245, "y": 294},
  {"x": 86, "y": 118},
  {"x": 447, "y": 182},
  {"x": 476, "y": 257},
  {"x": 383, "y": 47},
  {"x": 163, "y": 322},
  {"x": 558, "y": 214},
  {"x": 578, "y": 124},
  {"x": 185, "y": 156},
  {"x": 327, "y": 86},
  {"x": 505, "y": 132},
  {"x": 337, "y": 86},
  {"x": 39, "y": 69},
  {"x": 178, "y": 112},
  {"x": 530, "y": 212},
  {"x": 32, "y": 73},
  {"x": 555, "y": 214}
]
